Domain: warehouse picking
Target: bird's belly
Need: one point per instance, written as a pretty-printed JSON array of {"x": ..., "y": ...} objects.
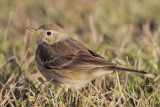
[
  {"x": 50, "y": 76},
  {"x": 65, "y": 80},
  {"x": 78, "y": 84}
]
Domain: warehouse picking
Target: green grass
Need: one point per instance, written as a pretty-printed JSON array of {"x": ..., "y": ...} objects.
[{"x": 124, "y": 32}]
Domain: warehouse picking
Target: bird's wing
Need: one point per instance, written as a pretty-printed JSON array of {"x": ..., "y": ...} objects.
[
  {"x": 84, "y": 60},
  {"x": 81, "y": 60}
]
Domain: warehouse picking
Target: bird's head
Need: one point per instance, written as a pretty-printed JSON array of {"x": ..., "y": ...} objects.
[{"x": 49, "y": 33}]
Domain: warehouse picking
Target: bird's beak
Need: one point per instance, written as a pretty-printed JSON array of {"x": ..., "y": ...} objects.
[{"x": 33, "y": 30}]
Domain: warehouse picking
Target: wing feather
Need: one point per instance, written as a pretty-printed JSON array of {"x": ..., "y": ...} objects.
[{"x": 82, "y": 60}]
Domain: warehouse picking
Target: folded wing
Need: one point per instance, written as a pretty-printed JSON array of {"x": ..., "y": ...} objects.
[{"x": 81, "y": 60}]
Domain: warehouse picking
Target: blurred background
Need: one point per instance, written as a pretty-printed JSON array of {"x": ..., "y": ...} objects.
[{"x": 126, "y": 32}]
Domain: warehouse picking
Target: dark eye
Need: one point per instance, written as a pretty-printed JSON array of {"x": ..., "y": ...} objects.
[{"x": 49, "y": 33}]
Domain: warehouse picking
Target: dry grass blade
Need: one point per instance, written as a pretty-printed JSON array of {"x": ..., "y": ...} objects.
[
  {"x": 7, "y": 83},
  {"x": 3, "y": 64},
  {"x": 15, "y": 56}
]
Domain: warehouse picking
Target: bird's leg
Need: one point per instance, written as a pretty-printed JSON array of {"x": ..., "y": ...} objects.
[
  {"x": 65, "y": 90},
  {"x": 82, "y": 90},
  {"x": 71, "y": 97},
  {"x": 68, "y": 96}
]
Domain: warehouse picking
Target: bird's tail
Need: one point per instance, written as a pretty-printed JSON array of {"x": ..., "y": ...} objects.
[
  {"x": 126, "y": 69},
  {"x": 99, "y": 71}
]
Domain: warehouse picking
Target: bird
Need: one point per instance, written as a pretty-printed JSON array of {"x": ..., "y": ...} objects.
[{"x": 68, "y": 63}]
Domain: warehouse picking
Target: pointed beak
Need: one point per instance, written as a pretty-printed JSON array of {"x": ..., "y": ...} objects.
[{"x": 33, "y": 30}]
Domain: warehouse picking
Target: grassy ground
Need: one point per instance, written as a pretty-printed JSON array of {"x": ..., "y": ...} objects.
[{"x": 126, "y": 32}]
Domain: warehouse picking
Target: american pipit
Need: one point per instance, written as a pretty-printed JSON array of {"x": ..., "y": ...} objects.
[{"x": 66, "y": 62}]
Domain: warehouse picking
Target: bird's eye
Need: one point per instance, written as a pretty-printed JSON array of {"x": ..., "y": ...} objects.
[{"x": 49, "y": 33}]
